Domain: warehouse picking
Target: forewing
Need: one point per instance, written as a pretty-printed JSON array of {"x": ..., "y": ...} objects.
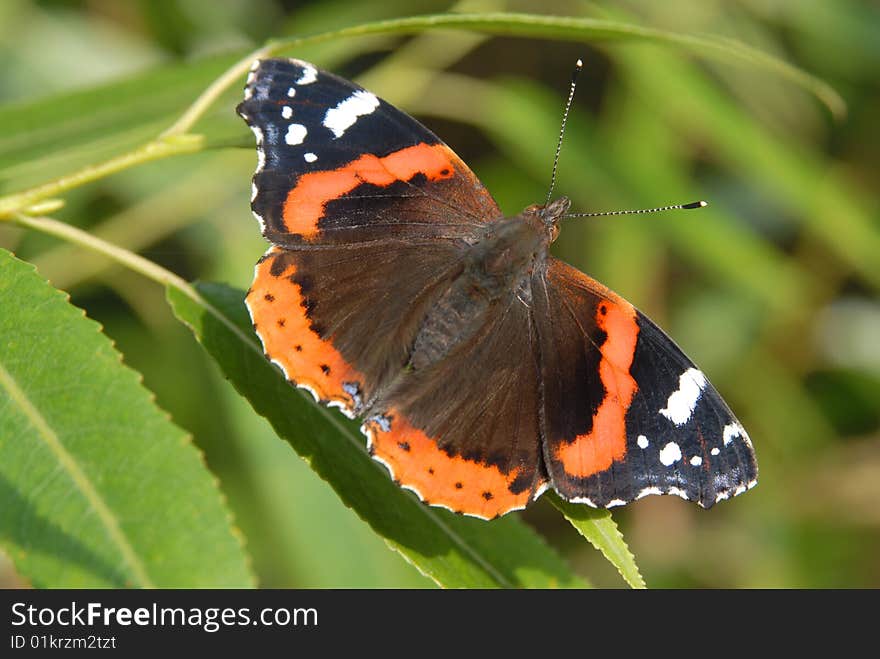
[{"x": 338, "y": 165}]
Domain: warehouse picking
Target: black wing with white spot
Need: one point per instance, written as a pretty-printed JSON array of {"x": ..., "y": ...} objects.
[
  {"x": 626, "y": 413},
  {"x": 338, "y": 165},
  {"x": 682, "y": 436}
]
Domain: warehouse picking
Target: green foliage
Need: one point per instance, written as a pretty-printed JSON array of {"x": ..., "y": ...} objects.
[
  {"x": 602, "y": 532},
  {"x": 770, "y": 289},
  {"x": 98, "y": 487},
  {"x": 47, "y": 138}
]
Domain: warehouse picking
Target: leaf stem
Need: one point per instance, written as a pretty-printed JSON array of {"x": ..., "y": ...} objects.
[
  {"x": 195, "y": 111},
  {"x": 122, "y": 256},
  {"x": 579, "y": 29},
  {"x": 153, "y": 150}
]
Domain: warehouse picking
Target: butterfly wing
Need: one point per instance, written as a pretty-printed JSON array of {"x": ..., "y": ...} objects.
[
  {"x": 583, "y": 390},
  {"x": 463, "y": 431},
  {"x": 627, "y": 414},
  {"x": 353, "y": 193},
  {"x": 338, "y": 165}
]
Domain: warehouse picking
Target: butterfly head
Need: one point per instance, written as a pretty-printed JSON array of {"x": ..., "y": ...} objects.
[{"x": 545, "y": 218}]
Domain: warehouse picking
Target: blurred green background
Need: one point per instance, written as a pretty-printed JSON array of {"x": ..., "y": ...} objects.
[{"x": 772, "y": 290}]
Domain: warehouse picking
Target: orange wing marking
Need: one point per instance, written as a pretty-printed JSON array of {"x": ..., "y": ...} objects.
[
  {"x": 594, "y": 451},
  {"x": 279, "y": 315},
  {"x": 305, "y": 203},
  {"x": 461, "y": 485}
]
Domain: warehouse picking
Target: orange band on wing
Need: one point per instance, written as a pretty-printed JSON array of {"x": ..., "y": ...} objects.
[
  {"x": 276, "y": 306},
  {"x": 463, "y": 485},
  {"x": 305, "y": 203},
  {"x": 594, "y": 451}
]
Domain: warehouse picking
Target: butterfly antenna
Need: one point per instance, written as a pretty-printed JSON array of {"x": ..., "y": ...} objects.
[
  {"x": 693, "y": 204},
  {"x": 577, "y": 69}
]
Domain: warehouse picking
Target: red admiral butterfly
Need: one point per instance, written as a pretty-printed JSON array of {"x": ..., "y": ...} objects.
[{"x": 485, "y": 370}]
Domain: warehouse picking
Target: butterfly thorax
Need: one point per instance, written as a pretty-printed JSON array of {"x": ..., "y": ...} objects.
[{"x": 494, "y": 271}]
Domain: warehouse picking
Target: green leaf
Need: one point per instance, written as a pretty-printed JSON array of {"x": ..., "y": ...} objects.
[
  {"x": 598, "y": 527},
  {"x": 588, "y": 30},
  {"x": 97, "y": 487},
  {"x": 452, "y": 550},
  {"x": 52, "y": 136}
]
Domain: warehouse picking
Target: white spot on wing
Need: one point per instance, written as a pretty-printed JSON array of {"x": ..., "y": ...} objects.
[
  {"x": 300, "y": 385},
  {"x": 296, "y": 133},
  {"x": 291, "y": 92},
  {"x": 731, "y": 431},
  {"x": 681, "y": 403},
  {"x": 310, "y": 157},
  {"x": 287, "y": 112},
  {"x": 411, "y": 488},
  {"x": 670, "y": 454},
  {"x": 261, "y": 162},
  {"x": 345, "y": 409},
  {"x": 696, "y": 461},
  {"x": 344, "y": 115},
  {"x": 261, "y": 155},
  {"x": 648, "y": 491},
  {"x": 642, "y": 441},
  {"x": 252, "y": 76},
  {"x": 309, "y": 74},
  {"x": 615, "y": 502},
  {"x": 388, "y": 467},
  {"x": 477, "y": 515},
  {"x": 715, "y": 451},
  {"x": 541, "y": 489},
  {"x": 368, "y": 433}
]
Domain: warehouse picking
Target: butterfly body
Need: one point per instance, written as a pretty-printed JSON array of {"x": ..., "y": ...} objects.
[{"x": 484, "y": 369}]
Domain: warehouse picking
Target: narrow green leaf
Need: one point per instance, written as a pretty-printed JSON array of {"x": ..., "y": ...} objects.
[
  {"x": 97, "y": 487},
  {"x": 452, "y": 550},
  {"x": 588, "y": 30},
  {"x": 600, "y": 529},
  {"x": 48, "y": 137}
]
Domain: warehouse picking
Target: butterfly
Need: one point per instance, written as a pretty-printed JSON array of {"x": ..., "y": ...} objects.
[{"x": 485, "y": 370}]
